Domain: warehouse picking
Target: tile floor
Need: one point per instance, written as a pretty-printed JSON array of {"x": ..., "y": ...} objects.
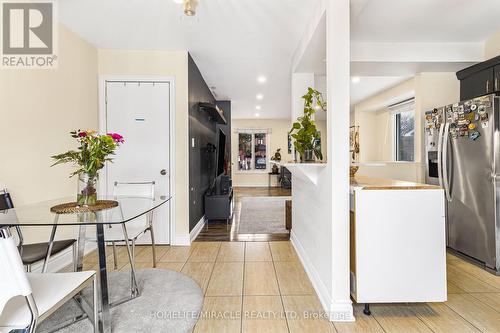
[{"x": 266, "y": 283}]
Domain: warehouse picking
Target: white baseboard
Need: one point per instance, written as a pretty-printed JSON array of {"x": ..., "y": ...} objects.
[
  {"x": 197, "y": 229},
  {"x": 61, "y": 260},
  {"x": 182, "y": 240},
  {"x": 337, "y": 311}
]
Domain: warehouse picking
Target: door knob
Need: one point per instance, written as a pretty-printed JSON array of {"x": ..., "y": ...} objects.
[{"x": 163, "y": 172}]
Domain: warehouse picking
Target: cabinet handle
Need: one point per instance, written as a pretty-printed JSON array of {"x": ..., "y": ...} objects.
[
  {"x": 497, "y": 84},
  {"x": 487, "y": 86}
]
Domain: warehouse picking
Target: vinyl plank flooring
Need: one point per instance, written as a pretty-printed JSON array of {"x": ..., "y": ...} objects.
[
  {"x": 200, "y": 272},
  {"x": 204, "y": 251},
  {"x": 263, "y": 314},
  {"x": 231, "y": 251},
  {"x": 146, "y": 255},
  {"x": 475, "y": 312},
  {"x": 226, "y": 280},
  {"x": 176, "y": 254},
  {"x": 491, "y": 299},
  {"x": 173, "y": 266},
  {"x": 477, "y": 272},
  {"x": 468, "y": 282},
  {"x": 305, "y": 314},
  {"x": 442, "y": 319},
  {"x": 398, "y": 318},
  {"x": 283, "y": 251},
  {"x": 293, "y": 279},
  {"x": 257, "y": 251},
  {"x": 220, "y": 315},
  {"x": 454, "y": 289},
  {"x": 260, "y": 279}
]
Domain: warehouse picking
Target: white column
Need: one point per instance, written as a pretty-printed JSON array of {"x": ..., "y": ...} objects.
[{"x": 338, "y": 82}]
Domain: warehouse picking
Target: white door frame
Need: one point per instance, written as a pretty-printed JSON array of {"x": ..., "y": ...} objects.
[{"x": 103, "y": 79}]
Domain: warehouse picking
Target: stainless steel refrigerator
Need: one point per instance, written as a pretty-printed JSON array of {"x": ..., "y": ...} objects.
[{"x": 463, "y": 156}]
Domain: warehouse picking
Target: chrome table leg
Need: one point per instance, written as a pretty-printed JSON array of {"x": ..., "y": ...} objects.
[
  {"x": 80, "y": 243},
  {"x": 134, "y": 287},
  {"x": 103, "y": 280},
  {"x": 51, "y": 243}
]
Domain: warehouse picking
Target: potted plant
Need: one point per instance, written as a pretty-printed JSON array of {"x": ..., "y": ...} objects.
[
  {"x": 93, "y": 152},
  {"x": 304, "y": 132}
]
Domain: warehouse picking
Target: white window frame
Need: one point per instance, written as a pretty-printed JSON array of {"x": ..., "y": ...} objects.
[
  {"x": 267, "y": 132},
  {"x": 398, "y": 108}
]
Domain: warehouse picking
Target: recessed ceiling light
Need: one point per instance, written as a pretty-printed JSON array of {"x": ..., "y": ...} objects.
[
  {"x": 179, "y": 1},
  {"x": 261, "y": 79},
  {"x": 355, "y": 79},
  {"x": 256, "y": 114},
  {"x": 259, "y": 97},
  {"x": 258, "y": 107}
]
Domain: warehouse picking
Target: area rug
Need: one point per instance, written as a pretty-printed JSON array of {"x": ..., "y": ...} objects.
[
  {"x": 169, "y": 302},
  {"x": 262, "y": 215}
]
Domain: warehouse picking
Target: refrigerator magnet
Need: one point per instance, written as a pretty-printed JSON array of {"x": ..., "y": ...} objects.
[
  {"x": 474, "y": 135},
  {"x": 484, "y": 124},
  {"x": 481, "y": 110},
  {"x": 473, "y": 107},
  {"x": 472, "y": 126}
]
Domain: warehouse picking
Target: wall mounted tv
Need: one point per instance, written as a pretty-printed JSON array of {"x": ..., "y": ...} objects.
[{"x": 221, "y": 152}]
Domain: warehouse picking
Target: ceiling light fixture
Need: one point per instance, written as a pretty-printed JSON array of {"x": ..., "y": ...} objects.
[
  {"x": 258, "y": 107},
  {"x": 261, "y": 79},
  {"x": 259, "y": 97},
  {"x": 188, "y": 6},
  {"x": 355, "y": 79}
]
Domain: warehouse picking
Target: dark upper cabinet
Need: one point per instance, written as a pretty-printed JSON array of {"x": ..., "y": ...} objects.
[
  {"x": 480, "y": 79},
  {"x": 496, "y": 84},
  {"x": 478, "y": 84}
]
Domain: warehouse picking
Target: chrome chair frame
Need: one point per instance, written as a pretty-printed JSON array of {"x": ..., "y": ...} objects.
[
  {"x": 31, "y": 302},
  {"x": 45, "y": 261}
]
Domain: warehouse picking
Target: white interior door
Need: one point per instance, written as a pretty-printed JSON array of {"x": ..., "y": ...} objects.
[{"x": 140, "y": 111}]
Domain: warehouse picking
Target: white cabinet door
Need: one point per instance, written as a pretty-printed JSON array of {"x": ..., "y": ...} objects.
[{"x": 140, "y": 111}]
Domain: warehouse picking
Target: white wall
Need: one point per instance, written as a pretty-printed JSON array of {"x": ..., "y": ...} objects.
[
  {"x": 162, "y": 63},
  {"x": 492, "y": 46},
  {"x": 38, "y": 109}
]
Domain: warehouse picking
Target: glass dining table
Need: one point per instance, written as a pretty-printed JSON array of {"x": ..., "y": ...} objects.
[{"x": 124, "y": 209}]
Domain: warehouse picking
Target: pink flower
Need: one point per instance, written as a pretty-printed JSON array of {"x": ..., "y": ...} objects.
[
  {"x": 116, "y": 137},
  {"x": 82, "y": 134}
]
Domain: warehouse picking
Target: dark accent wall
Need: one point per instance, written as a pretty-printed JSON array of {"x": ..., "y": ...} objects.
[{"x": 202, "y": 161}]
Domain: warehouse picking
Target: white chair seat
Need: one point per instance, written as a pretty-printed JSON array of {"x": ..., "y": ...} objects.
[{"x": 49, "y": 289}]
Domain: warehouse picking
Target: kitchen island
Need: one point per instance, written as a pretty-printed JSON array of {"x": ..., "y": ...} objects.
[{"x": 397, "y": 241}]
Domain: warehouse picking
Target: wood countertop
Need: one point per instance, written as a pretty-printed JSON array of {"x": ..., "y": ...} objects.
[{"x": 369, "y": 183}]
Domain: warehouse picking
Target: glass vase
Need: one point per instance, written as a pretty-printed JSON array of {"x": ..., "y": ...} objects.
[{"x": 87, "y": 189}]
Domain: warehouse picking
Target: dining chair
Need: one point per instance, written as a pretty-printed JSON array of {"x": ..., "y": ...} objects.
[
  {"x": 136, "y": 228},
  {"x": 29, "y": 298},
  {"x": 35, "y": 252}
]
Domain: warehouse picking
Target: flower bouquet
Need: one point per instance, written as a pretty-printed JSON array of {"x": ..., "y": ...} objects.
[{"x": 93, "y": 152}]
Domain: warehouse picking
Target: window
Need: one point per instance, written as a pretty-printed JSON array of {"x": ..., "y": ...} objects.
[
  {"x": 252, "y": 151},
  {"x": 404, "y": 131}
]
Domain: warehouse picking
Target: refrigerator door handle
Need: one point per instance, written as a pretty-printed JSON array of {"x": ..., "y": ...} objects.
[
  {"x": 440, "y": 155},
  {"x": 446, "y": 184}
]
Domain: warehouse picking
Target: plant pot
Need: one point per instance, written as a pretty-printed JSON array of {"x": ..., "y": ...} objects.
[
  {"x": 87, "y": 189},
  {"x": 307, "y": 156}
]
